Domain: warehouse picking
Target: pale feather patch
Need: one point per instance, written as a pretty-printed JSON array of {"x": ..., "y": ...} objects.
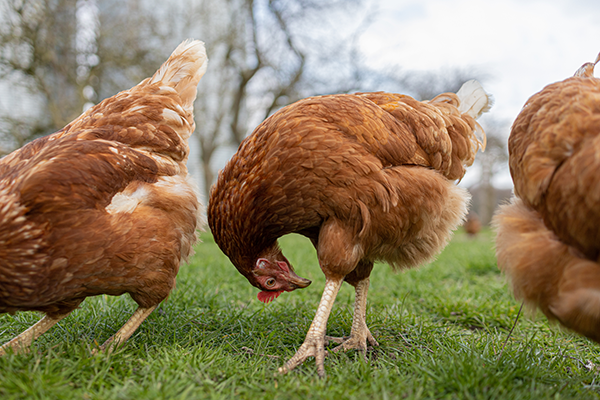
[
  {"x": 136, "y": 108},
  {"x": 171, "y": 116},
  {"x": 176, "y": 185},
  {"x": 163, "y": 161},
  {"x": 168, "y": 89},
  {"x": 357, "y": 251},
  {"x": 184, "y": 186},
  {"x": 183, "y": 70},
  {"x": 473, "y": 99},
  {"x": 587, "y": 69},
  {"x": 127, "y": 202}
]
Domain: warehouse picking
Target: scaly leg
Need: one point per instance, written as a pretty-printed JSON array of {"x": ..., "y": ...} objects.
[
  {"x": 360, "y": 334},
  {"x": 314, "y": 344},
  {"x": 126, "y": 330},
  {"x": 24, "y": 340}
]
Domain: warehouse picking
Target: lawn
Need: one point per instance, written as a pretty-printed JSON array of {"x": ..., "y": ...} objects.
[{"x": 442, "y": 331}]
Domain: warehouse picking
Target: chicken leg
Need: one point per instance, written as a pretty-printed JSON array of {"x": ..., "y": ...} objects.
[
  {"x": 24, "y": 340},
  {"x": 360, "y": 334},
  {"x": 126, "y": 330},
  {"x": 314, "y": 344}
]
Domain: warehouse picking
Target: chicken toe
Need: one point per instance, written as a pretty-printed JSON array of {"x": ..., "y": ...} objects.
[
  {"x": 360, "y": 334},
  {"x": 314, "y": 344},
  {"x": 357, "y": 340}
]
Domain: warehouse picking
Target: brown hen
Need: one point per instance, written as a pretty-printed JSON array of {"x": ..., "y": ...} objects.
[
  {"x": 103, "y": 206},
  {"x": 548, "y": 238},
  {"x": 472, "y": 224},
  {"x": 366, "y": 177}
]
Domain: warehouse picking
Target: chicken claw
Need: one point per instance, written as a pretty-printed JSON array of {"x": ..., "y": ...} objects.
[
  {"x": 360, "y": 333},
  {"x": 312, "y": 347},
  {"x": 314, "y": 344},
  {"x": 356, "y": 341}
]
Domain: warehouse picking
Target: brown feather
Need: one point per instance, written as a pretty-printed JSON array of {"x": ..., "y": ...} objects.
[
  {"x": 365, "y": 177},
  {"x": 549, "y": 238},
  {"x": 369, "y": 173},
  {"x": 103, "y": 206}
]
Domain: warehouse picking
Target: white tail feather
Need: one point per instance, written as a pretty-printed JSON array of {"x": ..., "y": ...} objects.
[
  {"x": 587, "y": 69},
  {"x": 183, "y": 70},
  {"x": 474, "y": 101}
]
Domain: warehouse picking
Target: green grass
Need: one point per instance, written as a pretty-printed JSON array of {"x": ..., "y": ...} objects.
[{"x": 441, "y": 330}]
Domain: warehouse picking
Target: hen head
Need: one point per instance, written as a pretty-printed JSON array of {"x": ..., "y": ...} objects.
[{"x": 273, "y": 275}]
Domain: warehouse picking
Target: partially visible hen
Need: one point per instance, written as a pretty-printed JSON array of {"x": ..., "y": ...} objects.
[
  {"x": 365, "y": 177},
  {"x": 548, "y": 238},
  {"x": 472, "y": 225},
  {"x": 103, "y": 206}
]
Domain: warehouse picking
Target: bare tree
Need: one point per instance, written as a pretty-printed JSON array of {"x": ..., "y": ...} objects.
[
  {"x": 263, "y": 54},
  {"x": 40, "y": 53},
  {"x": 42, "y": 59},
  {"x": 261, "y": 58},
  {"x": 490, "y": 163}
]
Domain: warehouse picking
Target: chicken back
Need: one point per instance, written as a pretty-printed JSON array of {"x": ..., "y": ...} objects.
[
  {"x": 548, "y": 238},
  {"x": 103, "y": 206},
  {"x": 366, "y": 177}
]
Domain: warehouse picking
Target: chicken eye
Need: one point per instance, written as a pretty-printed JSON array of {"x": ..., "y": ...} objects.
[{"x": 270, "y": 282}]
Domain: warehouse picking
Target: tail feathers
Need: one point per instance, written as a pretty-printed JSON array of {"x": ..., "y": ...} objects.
[
  {"x": 474, "y": 101},
  {"x": 183, "y": 70},
  {"x": 587, "y": 69},
  {"x": 546, "y": 272}
]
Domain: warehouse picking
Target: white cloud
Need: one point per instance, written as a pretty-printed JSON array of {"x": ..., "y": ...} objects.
[{"x": 523, "y": 44}]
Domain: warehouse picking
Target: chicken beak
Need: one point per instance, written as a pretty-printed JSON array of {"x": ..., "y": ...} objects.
[{"x": 297, "y": 281}]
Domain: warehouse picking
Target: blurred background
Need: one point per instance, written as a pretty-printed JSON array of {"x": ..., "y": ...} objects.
[{"x": 59, "y": 57}]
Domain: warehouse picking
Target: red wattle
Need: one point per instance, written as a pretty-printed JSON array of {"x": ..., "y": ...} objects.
[{"x": 268, "y": 296}]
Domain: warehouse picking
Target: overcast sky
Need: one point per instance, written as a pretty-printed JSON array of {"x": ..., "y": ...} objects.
[{"x": 523, "y": 44}]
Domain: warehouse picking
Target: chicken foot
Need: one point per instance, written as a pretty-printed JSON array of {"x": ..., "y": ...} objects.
[
  {"x": 360, "y": 333},
  {"x": 127, "y": 329},
  {"x": 314, "y": 344},
  {"x": 24, "y": 340}
]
